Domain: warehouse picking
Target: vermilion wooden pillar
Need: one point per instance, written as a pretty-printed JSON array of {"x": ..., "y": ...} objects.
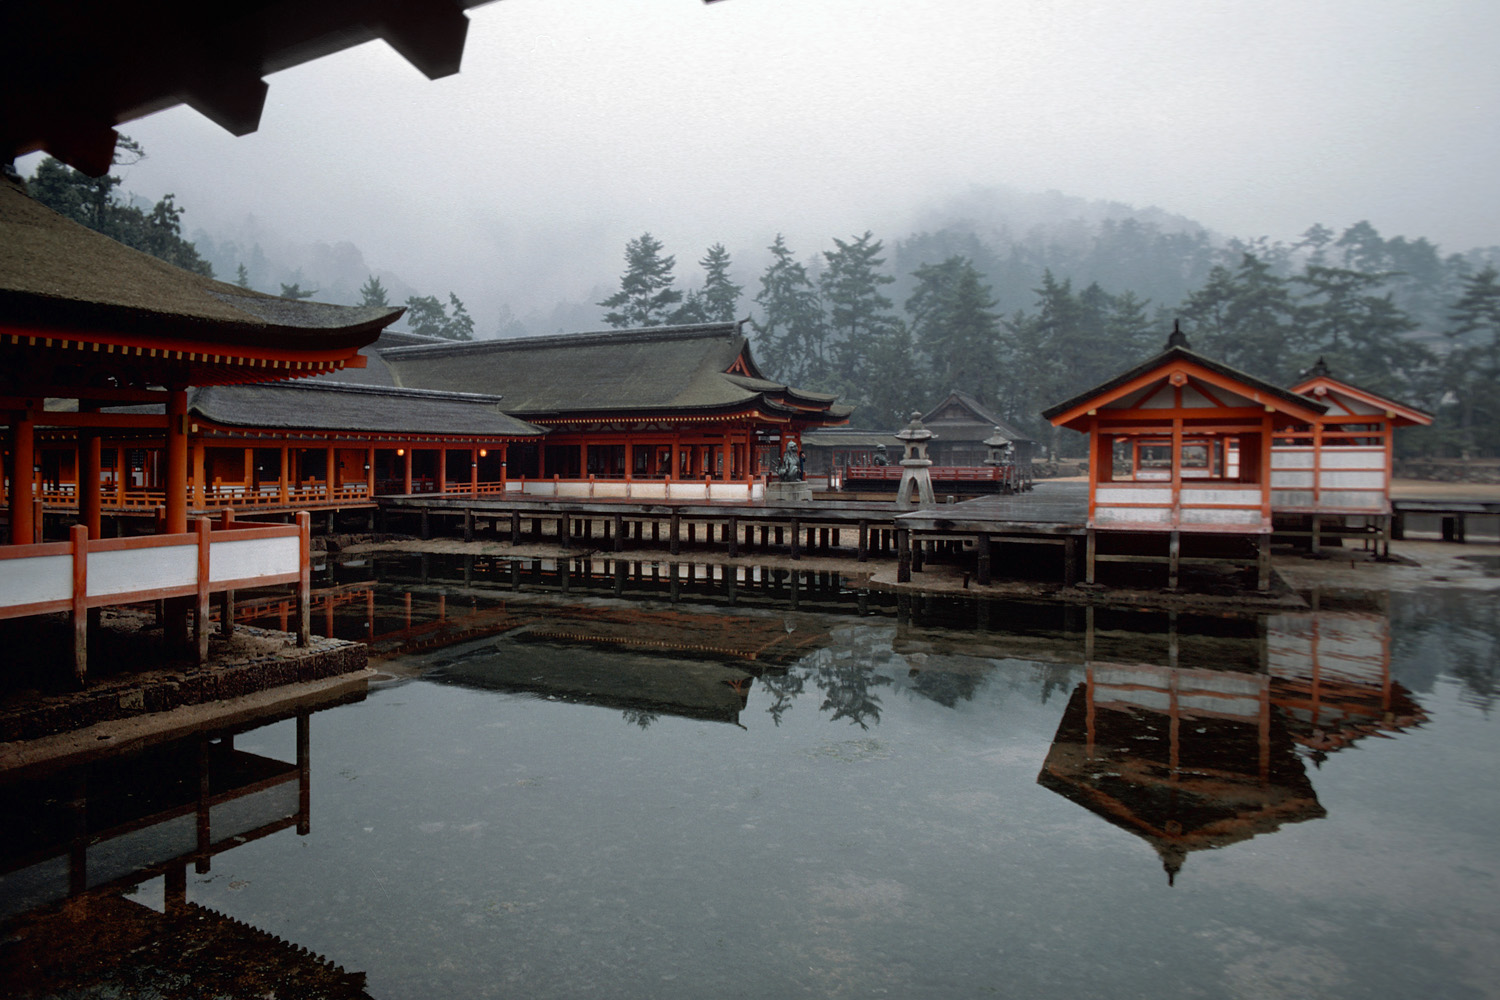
[
  {"x": 177, "y": 462},
  {"x": 406, "y": 470},
  {"x": 89, "y": 504},
  {"x": 22, "y": 458}
]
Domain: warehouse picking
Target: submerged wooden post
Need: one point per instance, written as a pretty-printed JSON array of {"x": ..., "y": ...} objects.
[
  {"x": 79, "y": 536},
  {"x": 863, "y": 552},
  {"x": 468, "y": 524},
  {"x": 673, "y": 541},
  {"x": 1174, "y": 558},
  {"x": 903, "y": 555},
  {"x": 203, "y": 529},
  {"x": 982, "y": 567},
  {"x": 1070, "y": 560},
  {"x": 617, "y": 521},
  {"x": 1263, "y": 563},
  {"x": 1091, "y": 554},
  {"x": 304, "y": 578},
  {"x": 796, "y": 539}
]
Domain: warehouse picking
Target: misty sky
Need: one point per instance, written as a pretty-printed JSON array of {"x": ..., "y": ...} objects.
[{"x": 577, "y": 124}]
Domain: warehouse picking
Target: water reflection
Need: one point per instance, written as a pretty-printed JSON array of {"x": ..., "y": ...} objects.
[
  {"x": 1189, "y": 758},
  {"x": 78, "y": 844}
]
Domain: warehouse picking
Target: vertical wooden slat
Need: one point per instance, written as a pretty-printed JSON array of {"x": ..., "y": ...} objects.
[
  {"x": 304, "y": 578},
  {"x": 79, "y": 536}
]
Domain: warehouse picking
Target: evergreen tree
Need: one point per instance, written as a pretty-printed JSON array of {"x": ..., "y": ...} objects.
[
  {"x": 1362, "y": 335},
  {"x": 1472, "y": 365},
  {"x": 428, "y": 316},
  {"x": 721, "y": 296},
  {"x": 956, "y": 328},
  {"x": 372, "y": 293},
  {"x": 646, "y": 296},
  {"x": 791, "y": 330},
  {"x": 94, "y": 202},
  {"x": 295, "y": 291},
  {"x": 242, "y": 277},
  {"x": 693, "y": 309},
  {"x": 858, "y": 314}
]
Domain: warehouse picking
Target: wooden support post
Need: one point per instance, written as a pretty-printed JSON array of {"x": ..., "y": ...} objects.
[
  {"x": 673, "y": 541},
  {"x": 732, "y": 536},
  {"x": 692, "y": 533},
  {"x": 282, "y": 479},
  {"x": 468, "y": 524},
  {"x": 903, "y": 555},
  {"x": 304, "y": 579},
  {"x": 90, "y": 506},
  {"x": 424, "y": 530},
  {"x": 863, "y": 552},
  {"x": 1070, "y": 560},
  {"x": 304, "y": 774},
  {"x": 1317, "y": 535},
  {"x": 618, "y": 521},
  {"x": 203, "y": 529},
  {"x": 515, "y": 527},
  {"x": 796, "y": 539},
  {"x": 982, "y": 566},
  {"x": 1263, "y": 563},
  {"x": 564, "y": 531},
  {"x": 918, "y": 554},
  {"x": 406, "y": 458},
  {"x": 1091, "y": 555},
  {"x": 1174, "y": 558},
  {"x": 79, "y": 536}
]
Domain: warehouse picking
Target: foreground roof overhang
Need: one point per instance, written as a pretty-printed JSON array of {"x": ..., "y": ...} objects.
[
  {"x": 1322, "y": 387},
  {"x": 84, "y": 309},
  {"x": 73, "y": 69}
]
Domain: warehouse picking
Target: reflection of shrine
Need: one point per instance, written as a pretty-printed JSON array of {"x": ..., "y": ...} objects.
[
  {"x": 1190, "y": 758},
  {"x": 75, "y": 843},
  {"x": 1186, "y": 759}
]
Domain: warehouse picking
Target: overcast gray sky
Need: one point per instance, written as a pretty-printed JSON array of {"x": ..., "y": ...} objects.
[{"x": 577, "y": 124}]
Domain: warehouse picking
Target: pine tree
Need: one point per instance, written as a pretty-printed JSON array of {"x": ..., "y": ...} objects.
[
  {"x": 1472, "y": 365},
  {"x": 428, "y": 316},
  {"x": 242, "y": 277},
  {"x": 296, "y": 292},
  {"x": 791, "y": 330},
  {"x": 646, "y": 296},
  {"x": 956, "y": 328},
  {"x": 721, "y": 296},
  {"x": 858, "y": 313},
  {"x": 372, "y": 293}
]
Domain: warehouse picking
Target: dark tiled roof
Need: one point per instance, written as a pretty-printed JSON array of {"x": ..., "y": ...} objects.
[
  {"x": 849, "y": 437},
  {"x": 983, "y": 417},
  {"x": 376, "y": 371},
  {"x": 58, "y": 275},
  {"x": 658, "y": 369},
  {"x": 1175, "y": 353},
  {"x": 318, "y": 405}
]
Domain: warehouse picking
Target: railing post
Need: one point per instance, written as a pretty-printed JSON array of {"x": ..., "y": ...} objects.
[
  {"x": 79, "y": 536},
  {"x": 203, "y": 528},
  {"x": 304, "y": 578}
]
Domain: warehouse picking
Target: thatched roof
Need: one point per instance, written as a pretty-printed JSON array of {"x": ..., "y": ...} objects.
[
  {"x": 654, "y": 371},
  {"x": 58, "y": 278},
  {"x": 356, "y": 409}
]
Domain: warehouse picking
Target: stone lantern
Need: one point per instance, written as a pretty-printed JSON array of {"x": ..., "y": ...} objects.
[
  {"x": 999, "y": 446},
  {"x": 915, "y": 465}
]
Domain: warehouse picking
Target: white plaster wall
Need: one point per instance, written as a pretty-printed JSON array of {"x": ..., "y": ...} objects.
[
  {"x": 128, "y": 570},
  {"x": 1115, "y": 494},
  {"x": 244, "y": 558},
  {"x": 35, "y": 579},
  {"x": 1129, "y": 515},
  {"x": 649, "y": 491},
  {"x": 618, "y": 490}
]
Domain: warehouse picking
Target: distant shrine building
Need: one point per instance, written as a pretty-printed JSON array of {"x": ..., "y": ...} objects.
[{"x": 1185, "y": 447}]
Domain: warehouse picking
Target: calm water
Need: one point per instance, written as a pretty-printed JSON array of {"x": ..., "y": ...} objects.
[{"x": 607, "y": 797}]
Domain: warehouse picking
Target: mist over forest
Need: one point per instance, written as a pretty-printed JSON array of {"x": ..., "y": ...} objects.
[{"x": 1019, "y": 300}]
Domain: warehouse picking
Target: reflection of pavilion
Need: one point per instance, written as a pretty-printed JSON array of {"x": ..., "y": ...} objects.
[
  {"x": 1190, "y": 759},
  {"x": 1186, "y": 759},
  {"x": 73, "y": 842}
]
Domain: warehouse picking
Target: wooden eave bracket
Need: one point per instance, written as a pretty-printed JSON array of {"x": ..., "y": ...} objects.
[{"x": 430, "y": 36}]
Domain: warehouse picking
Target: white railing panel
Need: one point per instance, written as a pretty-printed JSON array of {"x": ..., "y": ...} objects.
[
  {"x": 241, "y": 559},
  {"x": 648, "y": 491},
  {"x": 1290, "y": 457},
  {"x": 687, "y": 491},
  {"x": 35, "y": 579},
  {"x": 124, "y": 571},
  {"x": 536, "y": 489},
  {"x": 1291, "y": 479},
  {"x": 575, "y": 490},
  {"x": 1291, "y": 498},
  {"x": 612, "y": 490},
  {"x": 1219, "y": 516},
  {"x": 1133, "y": 515},
  {"x": 1125, "y": 494},
  {"x": 1373, "y": 479},
  {"x": 1195, "y": 495},
  {"x": 1353, "y": 458}
]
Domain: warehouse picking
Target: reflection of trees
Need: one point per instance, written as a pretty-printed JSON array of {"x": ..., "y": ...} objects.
[
  {"x": 947, "y": 688},
  {"x": 1451, "y": 632},
  {"x": 639, "y": 717},
  {"x": 846, "y": 683},
  {"x": 784, "y": 690}
]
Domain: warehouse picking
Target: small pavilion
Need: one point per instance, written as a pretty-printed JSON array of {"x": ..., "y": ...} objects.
[{"x": 1181, "y": 445}]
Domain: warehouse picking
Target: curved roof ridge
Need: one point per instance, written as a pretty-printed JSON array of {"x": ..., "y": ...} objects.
[{"x": 640, "y": 334}]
